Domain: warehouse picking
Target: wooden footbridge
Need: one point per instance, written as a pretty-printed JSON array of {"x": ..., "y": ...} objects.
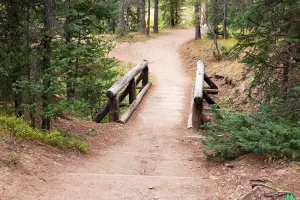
[
  {"x": 126, "y": 86},
  {"x": 129, "y": 85}
]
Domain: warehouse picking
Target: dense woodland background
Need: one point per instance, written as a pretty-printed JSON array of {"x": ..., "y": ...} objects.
[{"x": 53, "y": 61}]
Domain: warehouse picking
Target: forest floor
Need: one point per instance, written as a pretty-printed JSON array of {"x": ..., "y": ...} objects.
[{"x": 151, "y": 157}]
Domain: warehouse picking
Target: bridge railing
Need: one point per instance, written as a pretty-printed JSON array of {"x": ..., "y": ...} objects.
[
  {"x": 130, "y": 81},
  {"x": 199, "y": 94}
]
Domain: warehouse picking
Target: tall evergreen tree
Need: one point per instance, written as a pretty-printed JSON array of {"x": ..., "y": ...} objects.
[
  {"x": 172, "y": 12},
  {"x": 271, "y": 48}
]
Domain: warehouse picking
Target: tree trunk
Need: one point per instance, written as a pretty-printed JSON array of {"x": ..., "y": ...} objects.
[
  {"x": 148, "y": 20},
  {"x": 172, "y": 16},
  {"x": 122, "y": 19},
  {"x": 14, "y": 18},
  {"x": 68, "y": 37},
  {"x": 197, "y": 20},
  {"x": 215, "y": 14},
  {"x": 48, "y": 26},
  {"x": 143, "y": 14},
  {"x": 155, "y": 27},
  {"x": 225, "y": 34},
  {"x": 204, "y": 14}
]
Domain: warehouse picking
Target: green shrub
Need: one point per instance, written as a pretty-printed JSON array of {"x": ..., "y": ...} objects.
[
  {"x": 20, "y": 128},
  {"x": 235, "y": 134}
]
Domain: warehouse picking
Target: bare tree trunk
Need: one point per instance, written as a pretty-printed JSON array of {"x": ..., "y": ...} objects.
[
  {"x": 197, "y": 20},
  {"x": 172, "y": 17},
  {"x": 215, "y": 14},
  {"x": 48, "y": 26},
  {"x": 143, "y": 13},
  {"x": 122, "y": 19},
  {"x": 225, "y": 33},
  {"x": 13, "y": 11},
  {"x": 204, "y": 14},
  {"x": 155, "y": 27},
  {"x": 148, "y": 20},
  {"x": 68, "y": 36}
]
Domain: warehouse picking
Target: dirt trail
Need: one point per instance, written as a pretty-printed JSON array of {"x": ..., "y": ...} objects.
[{"x": 152, "y": 162}]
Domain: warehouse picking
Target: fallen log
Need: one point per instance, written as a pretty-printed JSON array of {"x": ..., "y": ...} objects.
[{"x": 124, "y": 118}]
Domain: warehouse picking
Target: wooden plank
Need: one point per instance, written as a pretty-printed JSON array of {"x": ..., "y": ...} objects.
[
  {"x": 114, "y": 109},
  {"x": 101, "y": 114},
  {"x": 211, "y": 84},
  {"x": 113, "y": 90},
  {"x": 124, "y": 118},
  {"x": 211, "y": 91},
  {"x": 199, "y": 84}
]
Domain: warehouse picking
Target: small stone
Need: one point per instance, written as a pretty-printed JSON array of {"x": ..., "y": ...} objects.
[
  {"x": 229, "y": 165},
  {"x": 156, "y": 146},
  {"x": 150, "y": 187},
  {"x": 156, "y": 198}
]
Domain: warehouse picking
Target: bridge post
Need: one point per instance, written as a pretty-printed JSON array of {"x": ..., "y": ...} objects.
[
  {"x": 197, "y": 115},
  {"x": 114, "y": 109},
  {"x": 132, "y": 90},
  {"x": 145, "y": 79}
]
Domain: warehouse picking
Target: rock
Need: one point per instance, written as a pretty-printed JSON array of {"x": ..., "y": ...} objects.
[
  {"x": 150, "y": 187},
  {"x": 156, "y": 146},
  {"x": 229, "y": 165}
]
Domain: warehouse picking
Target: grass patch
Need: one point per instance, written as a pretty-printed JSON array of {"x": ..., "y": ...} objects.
[
  {"x": 203, "y": 49},
  {"x": 122, "y": 67},
  {"x": 136, "y": 37},
  {"x": 12, "y": 159},
  {"x": 21, "y": 129}
]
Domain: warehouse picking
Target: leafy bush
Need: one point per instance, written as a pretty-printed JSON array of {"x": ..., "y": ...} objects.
[
  {"x": 20, "y": 128},
  {"x": 235, "y": 134}
]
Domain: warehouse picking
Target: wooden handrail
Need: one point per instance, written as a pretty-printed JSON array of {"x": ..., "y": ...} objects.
[
  {"x": 115, "y": 88},
  {"x": 199, "y": 84},
  {"x": 115, "y": 101}
]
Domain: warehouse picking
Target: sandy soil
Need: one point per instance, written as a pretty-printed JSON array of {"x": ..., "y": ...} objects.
[{"x": 148, "y": 158}]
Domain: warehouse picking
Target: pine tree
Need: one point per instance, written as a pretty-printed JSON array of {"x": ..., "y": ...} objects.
[{"x": 272, "y": 47}]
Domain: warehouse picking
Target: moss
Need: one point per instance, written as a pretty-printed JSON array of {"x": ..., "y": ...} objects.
[{"x": 21, "y": 129}]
